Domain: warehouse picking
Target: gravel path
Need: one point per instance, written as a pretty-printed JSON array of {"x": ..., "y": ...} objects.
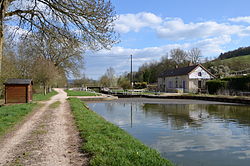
[{"x": 47, "y": 137}]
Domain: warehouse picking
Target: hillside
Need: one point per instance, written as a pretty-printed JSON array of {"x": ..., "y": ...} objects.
[
  {"x": 242, "y": 51},
  {"x": 235, "y": 63}
]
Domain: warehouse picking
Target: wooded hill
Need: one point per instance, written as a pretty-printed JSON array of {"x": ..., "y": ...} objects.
[
  {"x": 242, "y": 51},
  {"x": 234, "y": 64}
]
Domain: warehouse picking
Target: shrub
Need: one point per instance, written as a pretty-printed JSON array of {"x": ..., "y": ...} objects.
[
  {"x": 238, "y": 83},
  {"x": 214, "y": 86},
  {"x": 140, "y": 85}
]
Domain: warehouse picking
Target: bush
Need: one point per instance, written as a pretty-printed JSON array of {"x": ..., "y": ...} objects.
[
  {"x": 140, "y": 85},
  {"x": 214, "y": 86},
  {"x": 238, "y": 83}
]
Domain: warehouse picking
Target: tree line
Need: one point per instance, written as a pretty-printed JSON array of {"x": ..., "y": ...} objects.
[
  {"x": 242, "y": 51},
  {"x": 147, "y": 73},
  {"x": 55, "y": 36},
  {"x": 176, "y": 58}
]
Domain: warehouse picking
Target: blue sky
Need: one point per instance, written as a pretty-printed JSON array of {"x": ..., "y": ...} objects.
[{"x": 149, "y": 29}]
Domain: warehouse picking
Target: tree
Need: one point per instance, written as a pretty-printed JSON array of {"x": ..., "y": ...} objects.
[
  {"x": 45, "y": 73},
  {"x": 108, "y": 79},
  {"x": 89, "y": 21},
  {"x": 220, "y": 71},
  {"x": 111, "y": 76},
  {"x": 124, "y": 82},
  {"x": 64, "y": 53},
  {"x": 178, "y": 55},
  {"x": 194, "y": 55},
  {"x": 10, "y": 69}
]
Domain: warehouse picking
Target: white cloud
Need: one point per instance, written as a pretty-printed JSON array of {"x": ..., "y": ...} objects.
[
  {"x": 176, "y": 29},
  {"x": 245, "y": 19},
  {"x": 134, "y": 22}
]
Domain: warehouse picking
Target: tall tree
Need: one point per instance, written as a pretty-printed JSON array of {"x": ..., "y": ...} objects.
[
  {"x": 62, "y": 52},
  {"x": 109, "y": 79},
  {"x": 194, "y": 55},
  {"x": 178, "y": 55},
  {"x": 89, "y": 21}
]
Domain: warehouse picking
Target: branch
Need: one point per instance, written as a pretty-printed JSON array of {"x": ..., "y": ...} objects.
[{"x": 18, "y": 12}]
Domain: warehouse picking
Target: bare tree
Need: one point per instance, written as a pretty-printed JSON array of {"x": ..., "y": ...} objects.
[
  {"x": 67, "y": 55},
  {"x": 108, "y": 79},
  {"x": 89, "y": 21},
  {"x": 194, "y": 55},
  {"x": 178, "y": 55}
]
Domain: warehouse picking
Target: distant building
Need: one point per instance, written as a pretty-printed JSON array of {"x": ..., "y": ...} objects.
[{"x": 187, "y": 79}]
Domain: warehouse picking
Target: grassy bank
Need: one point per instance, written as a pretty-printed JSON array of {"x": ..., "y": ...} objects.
[
  {"x": 108, "y": 144},
  {"x": 80, "y": 93},
  {"x": 12, "y": 114},
  {"x": 42, "y": 97}
]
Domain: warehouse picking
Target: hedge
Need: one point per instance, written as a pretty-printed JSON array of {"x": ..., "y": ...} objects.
[
  {"x": 239, "y": 83},
  {"x": 214, "y": 86}
]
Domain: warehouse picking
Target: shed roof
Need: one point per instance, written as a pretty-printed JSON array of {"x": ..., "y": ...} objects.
[{"x": 15, "y": 81}]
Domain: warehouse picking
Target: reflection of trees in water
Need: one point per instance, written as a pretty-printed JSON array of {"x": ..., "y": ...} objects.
[
  {"x": 179, "y": 116},
  {"x": 110, "y": 107},
  {"x": 231, "y": 113},
  {"x": 176, "y": 115}
]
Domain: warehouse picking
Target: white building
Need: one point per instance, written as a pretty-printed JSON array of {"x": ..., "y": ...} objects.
[{"x": 187, "y": 79}]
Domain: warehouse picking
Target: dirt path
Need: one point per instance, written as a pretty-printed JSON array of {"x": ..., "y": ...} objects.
[{"x": 48, "y": 137}]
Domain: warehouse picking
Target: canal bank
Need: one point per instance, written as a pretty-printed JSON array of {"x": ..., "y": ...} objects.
[
  {"x": 187, "y": 132},
  {"x": 227, "y": 99},
  {"x": 109, "y": 145}
]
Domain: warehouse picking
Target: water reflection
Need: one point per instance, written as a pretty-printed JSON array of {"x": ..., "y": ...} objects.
[{"x": 188, "y": 134}]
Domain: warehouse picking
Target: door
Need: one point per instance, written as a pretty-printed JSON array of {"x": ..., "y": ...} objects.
[
  {"x": 184, "y": 84},
  {"x": 16, "y": 94},
  {"x": 199, "y": 84}
]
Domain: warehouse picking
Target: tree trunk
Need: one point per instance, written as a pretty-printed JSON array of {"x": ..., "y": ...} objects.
[
  {"x": 1, "y": 37},
  {"x": 1, "y": 48},
  {"x": 3, "y": 7},
  {"x": 44, "y": 89}
]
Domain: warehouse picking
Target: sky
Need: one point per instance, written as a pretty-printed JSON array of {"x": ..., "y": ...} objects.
[{"x": 149, "y": 29}]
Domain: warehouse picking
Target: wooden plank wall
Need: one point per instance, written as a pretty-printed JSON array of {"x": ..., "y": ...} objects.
[{"x": 16, "y": 94}]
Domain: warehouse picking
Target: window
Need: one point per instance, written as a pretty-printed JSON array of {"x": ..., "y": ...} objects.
[{"x": 199, "y": 74}]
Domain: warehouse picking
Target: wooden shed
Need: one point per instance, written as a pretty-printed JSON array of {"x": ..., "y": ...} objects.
[{"x": 18, "y": 90}]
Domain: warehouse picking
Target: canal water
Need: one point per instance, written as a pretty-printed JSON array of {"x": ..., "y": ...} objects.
[{"x": 189, "y": 133}]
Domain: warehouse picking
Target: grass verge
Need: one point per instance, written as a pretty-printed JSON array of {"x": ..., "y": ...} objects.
[
  {"x": 41, "y": 97},
  {"x": 80, "y": 93},
  {"x": 108, "y": 144},
  {"x": 12, "y": 114}
]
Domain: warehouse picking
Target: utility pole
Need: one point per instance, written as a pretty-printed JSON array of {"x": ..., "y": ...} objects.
[{"x": 131, "y": 73}]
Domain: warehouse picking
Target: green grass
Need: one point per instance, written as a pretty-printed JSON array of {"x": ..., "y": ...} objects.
[
  {"x": 80, "y": 93},
  {"x": 42, "y": 97},
  {"x": 108, "y": 144},
  {"x": 235, "y": 63},
  {"x": 11, "y": 115}
]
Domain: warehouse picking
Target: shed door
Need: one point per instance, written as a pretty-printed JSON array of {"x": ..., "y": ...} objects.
[{"x": 16, "y": 94}]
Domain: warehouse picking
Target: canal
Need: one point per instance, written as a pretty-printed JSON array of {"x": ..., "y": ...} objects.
[{"x": 187, "y": 132}]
